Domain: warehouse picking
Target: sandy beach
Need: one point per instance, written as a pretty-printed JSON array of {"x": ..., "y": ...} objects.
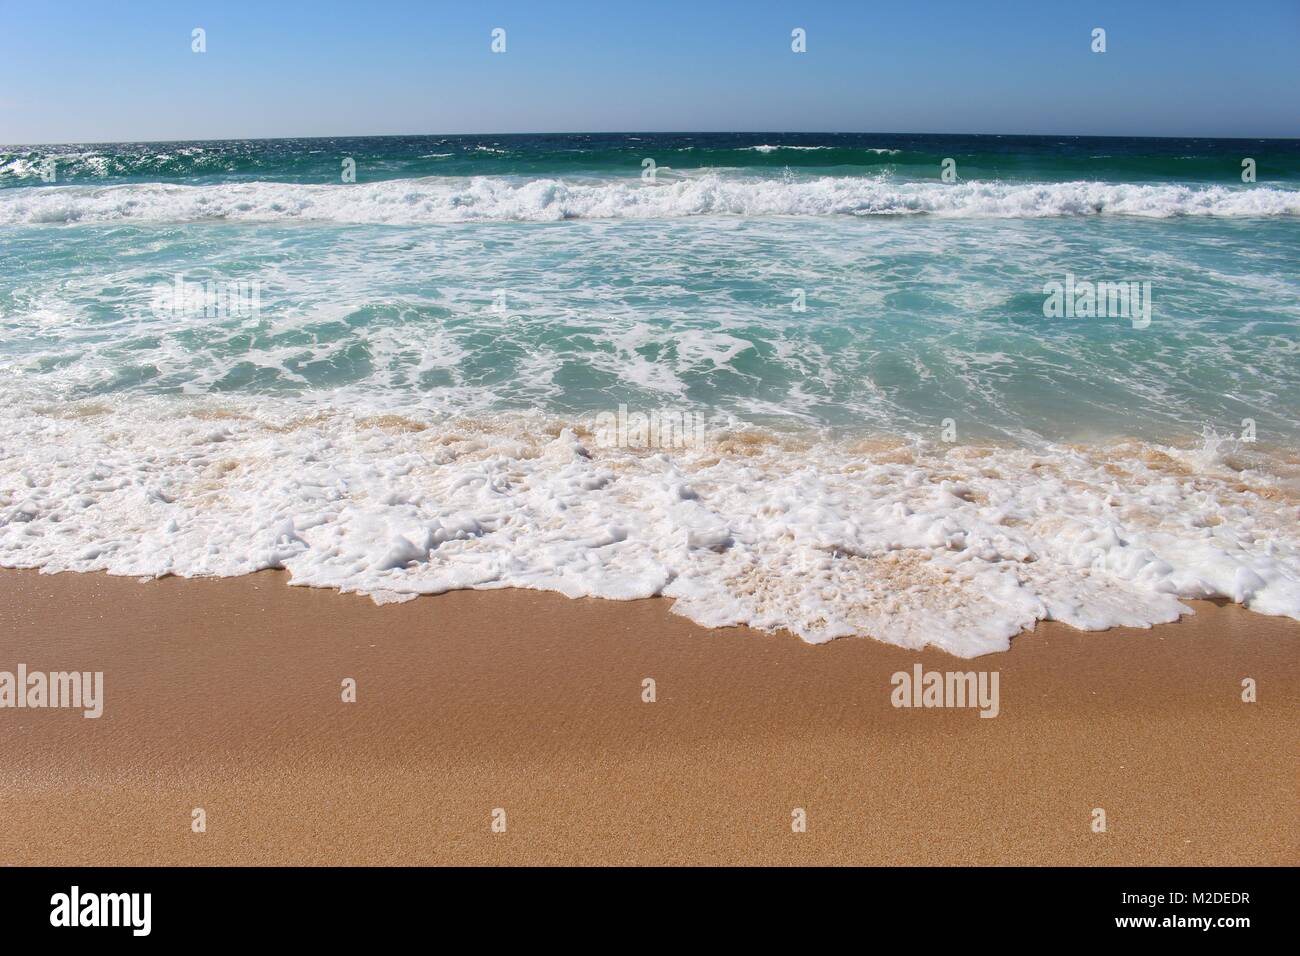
[{"x": 225, "y": 694}]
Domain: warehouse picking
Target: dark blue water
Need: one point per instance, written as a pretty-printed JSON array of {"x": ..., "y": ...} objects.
[{"x": 318, "y": 160}]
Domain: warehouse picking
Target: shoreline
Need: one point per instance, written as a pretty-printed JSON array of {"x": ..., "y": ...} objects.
[
  {"x": 225, "y": 694},
  {"x": 960, "y": 545}
]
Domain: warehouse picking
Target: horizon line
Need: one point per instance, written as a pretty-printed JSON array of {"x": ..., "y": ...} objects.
[{"x": 633, "y": 132}]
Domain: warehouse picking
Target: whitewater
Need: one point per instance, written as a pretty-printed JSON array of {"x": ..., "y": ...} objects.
[
  {"x": 477, "y": 199},
  {"x": 914, "y": 544},
  {"x": 896, "y": 440}
]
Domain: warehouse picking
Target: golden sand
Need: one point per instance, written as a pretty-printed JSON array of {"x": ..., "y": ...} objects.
[{"x": 226, "y": 695}]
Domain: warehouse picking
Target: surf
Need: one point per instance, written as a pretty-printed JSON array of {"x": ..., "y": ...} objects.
[{"x": 507, "y": 199}]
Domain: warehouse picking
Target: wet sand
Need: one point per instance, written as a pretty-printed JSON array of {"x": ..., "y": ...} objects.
[{"x": 227, "y": 695}]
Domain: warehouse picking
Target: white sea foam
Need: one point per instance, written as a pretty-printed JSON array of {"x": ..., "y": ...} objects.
[
  {"x": 448, "y": 199},
  {"x": 767, "y": 148},
  {"x": 956, "y": 547}
]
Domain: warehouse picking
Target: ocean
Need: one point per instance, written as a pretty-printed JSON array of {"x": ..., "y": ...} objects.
[{"x": 927, "y": 389}]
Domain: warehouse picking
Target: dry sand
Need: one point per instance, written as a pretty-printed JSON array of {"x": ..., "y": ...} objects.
[{"x": 226, "y": 695}]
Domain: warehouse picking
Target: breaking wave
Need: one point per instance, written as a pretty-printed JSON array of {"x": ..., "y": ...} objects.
[{"x": 435, "y": 200}]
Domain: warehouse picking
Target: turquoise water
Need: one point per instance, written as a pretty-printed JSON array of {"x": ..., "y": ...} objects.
[
  {"x": 905, "y": 323},
  {"x": 389, "y": 385},
  {"x": 430, "y": 290}
]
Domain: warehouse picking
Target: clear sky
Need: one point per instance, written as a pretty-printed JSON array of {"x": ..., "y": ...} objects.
[{"x": 93, "y": 71}]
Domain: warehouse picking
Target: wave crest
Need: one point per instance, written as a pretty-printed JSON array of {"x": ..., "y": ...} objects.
[{"x": 435, "y": 200}]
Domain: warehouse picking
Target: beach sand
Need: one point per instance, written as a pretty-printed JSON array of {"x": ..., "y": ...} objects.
[{"x": 225, "y": 694}]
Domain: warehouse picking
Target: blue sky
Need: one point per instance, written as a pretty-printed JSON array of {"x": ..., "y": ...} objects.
[{"x": 77, "y": 71}]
